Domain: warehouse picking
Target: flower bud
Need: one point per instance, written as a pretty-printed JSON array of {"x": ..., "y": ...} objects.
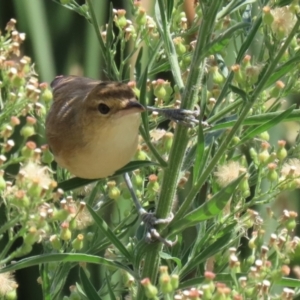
[
  {"x": 140, "y": 155},
  {"x": 60, "y": 215},
  {"x": 28, "y": 150},
  {"x": 217, "y": 77},
  {"x": 174, "y": 281},
  {"x": 264, "y": 155},
  {"x": 137, "y": 179},
  {"x": 238, "y": 75},
  {"x": 265, "y": 136},
  {"x": 113, "y": 191},
  {"x": 6, "y": 131},
  {"x": 277, "y": 89},
  {"x": 78, "y": 242},
  {"x": 47, "y": 156},
  {"x": 179, "y": 46},
  {"x": 120, "y": 19},
  {"x": 162, "y": 90},
  {"x": 55, "y": 242},
  {"x": 244, "y": 187},
  {"x": 165, "y": 281},
  {"x": 11, "y": 295},
  {"x": 153, "y": 185},
  {"x": 281, "y": 152},
  {"x": 31, "y": 237},
  {"x": 167, "y": 141},
  {"x": 150, "y": 290},
  {"x": 268, "y": 18},
  {"x": 27, "y": 131},
  {"x": 65, "y": 232},
  {"x": 141, "y": 18},
  {"x": 272, "y": 174}
]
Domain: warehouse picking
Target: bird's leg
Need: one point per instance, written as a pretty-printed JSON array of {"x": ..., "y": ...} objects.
[
  {"x": 178, "y": 115},
  {"x": 149, "y": 219}
]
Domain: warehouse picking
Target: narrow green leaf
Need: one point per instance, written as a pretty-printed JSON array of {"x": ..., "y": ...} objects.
[
  {"x": 167, "y": 256},
  {"x": 109, "y": 233},
  {"x": 251, "y": 133},
  {"x": 44, "y": 272},
  {"x": 109, "y": 287},
  {"x": 109, "y": 31},
  {"x": 170, "y": 5},
  {"x": 283, "y": 70},
  {"x": 238, "y": 91},
  {"x": 222, "y": 243},
  {"x": 64, "y": 257},
  {"x": 207, "y": 210},
  {"x": 163, "y": 66},
  {"x": 250, "y": 38},
  {"x": 88, "y": 288},
  {"x": 256, "y": 120},
  {"x": 143, "y": 99},
  {"x": 77, "y": 182},
  {"x": 199, "y": 158},
  {"x": 138, "y": 64},
  {"x": 222, "y": 40},
  {"x": 233, "y": 6},
  {"x": 290, "y": 282}
]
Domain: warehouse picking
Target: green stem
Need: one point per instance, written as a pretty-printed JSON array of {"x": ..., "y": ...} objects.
[
  {"x": 172, "y": 172},
  {"x": 228, "y": 108}
]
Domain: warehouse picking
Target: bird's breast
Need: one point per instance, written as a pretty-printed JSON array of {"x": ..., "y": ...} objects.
[{"x": 106, "y": 149}]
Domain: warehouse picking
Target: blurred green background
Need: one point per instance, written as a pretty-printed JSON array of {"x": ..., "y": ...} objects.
[{"x": 58, "y": 40}]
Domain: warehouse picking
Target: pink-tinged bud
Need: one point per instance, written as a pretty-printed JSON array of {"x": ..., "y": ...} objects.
[
  {"x": 277, "y": 89},
  {"x": 65, "y": 232},
  {"x": 150, "y": 290},
  {"x": 141, "y": 18},
  {"x": 272, "y": 174},
  {"x": 264, "y": 155},
  {"x": 267, "y": 16},
  {"x": 14, "y": 121},
  {"x": 238, "y": 75},
  {"x": 28, "y": 150},
  {"x": 281, "y": 152}
]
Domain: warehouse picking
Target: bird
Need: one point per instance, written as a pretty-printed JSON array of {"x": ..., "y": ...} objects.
[{"x": 92, "y": 126}]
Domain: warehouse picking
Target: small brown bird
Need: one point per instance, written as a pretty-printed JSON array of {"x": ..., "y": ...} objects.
[{"x": 92, "y": 126}]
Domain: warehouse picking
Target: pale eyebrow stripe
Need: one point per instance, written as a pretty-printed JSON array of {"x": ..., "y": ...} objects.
[{"x": 66, "y": 108}]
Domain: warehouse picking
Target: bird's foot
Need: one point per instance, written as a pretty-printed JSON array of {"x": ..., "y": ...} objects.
[
  {"x": 152, "y": 234},
  {"x": 182, "y": 116}
]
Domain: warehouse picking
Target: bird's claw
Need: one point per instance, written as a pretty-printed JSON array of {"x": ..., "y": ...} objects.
[
  {"x": 182, "y": 116},
  {"x": 152, "y": 234}
]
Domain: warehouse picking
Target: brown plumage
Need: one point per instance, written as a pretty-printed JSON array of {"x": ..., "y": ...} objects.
[{"x": 92, "y": 126}]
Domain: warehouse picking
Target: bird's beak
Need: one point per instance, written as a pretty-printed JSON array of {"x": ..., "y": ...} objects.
[{"x": 132, "y": 106}]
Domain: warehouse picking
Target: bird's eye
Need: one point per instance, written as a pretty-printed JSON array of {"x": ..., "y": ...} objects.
[{"x": 103, "y": 109}]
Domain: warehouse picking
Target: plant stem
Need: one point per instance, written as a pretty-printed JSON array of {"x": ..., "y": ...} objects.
[{"x": 181, "y": 138}]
